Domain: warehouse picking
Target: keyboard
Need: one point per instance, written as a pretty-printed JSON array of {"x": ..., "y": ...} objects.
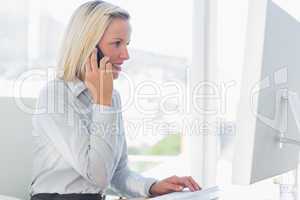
[{"x": 204, "y": 194}]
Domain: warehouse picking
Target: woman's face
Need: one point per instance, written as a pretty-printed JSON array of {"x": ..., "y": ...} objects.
[{"x": 114, "y": 43}]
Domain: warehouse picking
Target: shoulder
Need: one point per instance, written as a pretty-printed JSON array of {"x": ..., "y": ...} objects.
[
  {"x": 53, "y": 92},
  {"x": 53, "y": 87}
]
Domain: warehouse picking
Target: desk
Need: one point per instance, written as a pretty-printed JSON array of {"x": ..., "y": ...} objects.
[
  {"x": 3, "y": 197},
  {"x": 205, "y": 194},
  {"x": 116, "y": 198}
]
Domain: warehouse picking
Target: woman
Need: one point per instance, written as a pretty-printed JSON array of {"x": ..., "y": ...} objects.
[{"x": 79, "y": 140}]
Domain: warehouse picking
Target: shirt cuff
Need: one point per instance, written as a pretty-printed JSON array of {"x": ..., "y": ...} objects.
[{"x": 149, "y": 183}]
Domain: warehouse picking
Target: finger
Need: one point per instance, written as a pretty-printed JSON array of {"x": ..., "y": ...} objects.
[
  {"x": 108, "y": 67},
  {"x": 103, "y": 62},
  {"x": 195, "y": 188},
  {"x": 184, "y": 181},
  {"x": 87, "y": 68},
  {"x": 194, "y": 183},
  {"x": 173, "y": 187},
  {"x": 189, "y": 184},
  {"x": 88, "y": 65},
  {"x": 93, "y": 60}
]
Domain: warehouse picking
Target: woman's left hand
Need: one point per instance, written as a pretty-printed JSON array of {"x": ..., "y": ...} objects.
[{"x": 174, "y": 184}]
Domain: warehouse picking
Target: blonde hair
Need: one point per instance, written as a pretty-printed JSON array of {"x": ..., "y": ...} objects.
[{"x": 85, "y": 29}]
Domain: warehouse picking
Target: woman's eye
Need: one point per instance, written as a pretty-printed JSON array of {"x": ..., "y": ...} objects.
[{"x": 117, "y": 43}]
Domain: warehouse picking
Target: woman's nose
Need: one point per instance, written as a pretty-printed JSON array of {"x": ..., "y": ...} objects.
[{"x": 125, "y": 54}]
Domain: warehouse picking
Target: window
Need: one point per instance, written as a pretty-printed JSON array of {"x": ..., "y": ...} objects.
[{"x": 159, "y": 60}]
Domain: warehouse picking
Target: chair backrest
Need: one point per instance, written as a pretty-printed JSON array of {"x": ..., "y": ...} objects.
[{"x": 15, "y": 146}]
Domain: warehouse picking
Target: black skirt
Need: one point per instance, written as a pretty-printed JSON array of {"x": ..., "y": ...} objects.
[{"x": 73, "y": 196}]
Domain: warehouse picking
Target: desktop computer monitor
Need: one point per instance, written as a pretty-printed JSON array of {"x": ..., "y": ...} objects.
[{"x": 269, "y": 91}]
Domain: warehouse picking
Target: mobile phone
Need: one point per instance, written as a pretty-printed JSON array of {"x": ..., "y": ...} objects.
[{"x": 99, "y": 55}]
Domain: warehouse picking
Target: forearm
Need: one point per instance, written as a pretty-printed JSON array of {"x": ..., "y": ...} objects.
[{"x": 132, "y": 184}]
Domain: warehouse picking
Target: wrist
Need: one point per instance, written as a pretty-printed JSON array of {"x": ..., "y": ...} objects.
[
  {"x": 152, "y": 189},
  {"x": 104, "y": 102}
]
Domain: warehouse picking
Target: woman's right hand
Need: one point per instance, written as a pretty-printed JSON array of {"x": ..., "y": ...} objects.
[{"x": 99, "y": 81}]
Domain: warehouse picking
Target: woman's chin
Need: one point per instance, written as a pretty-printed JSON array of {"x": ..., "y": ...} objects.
[
  {"x": 115, "y": 75},
  {"x": 116, "y": 71}
]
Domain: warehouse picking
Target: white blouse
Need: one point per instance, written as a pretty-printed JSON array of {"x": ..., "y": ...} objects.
[{"x": 80, "y": 147}]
